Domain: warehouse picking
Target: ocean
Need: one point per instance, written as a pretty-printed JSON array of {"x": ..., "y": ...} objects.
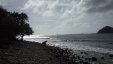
[{"x": 102, "y": 43}]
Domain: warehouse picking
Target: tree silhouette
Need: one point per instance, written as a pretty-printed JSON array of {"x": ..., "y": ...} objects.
[{"x": 13, "y": 24}]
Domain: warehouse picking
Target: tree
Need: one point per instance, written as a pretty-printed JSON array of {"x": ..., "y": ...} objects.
[
  {"x": 25, "y": 30},
  {"x": 13, "y": 24},
  {"x": 22, "y": 24}
]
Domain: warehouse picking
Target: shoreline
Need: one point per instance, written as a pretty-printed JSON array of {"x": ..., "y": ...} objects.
[
  {"x": 84, "y": 57},
  {"x": 37, "y": 53}
]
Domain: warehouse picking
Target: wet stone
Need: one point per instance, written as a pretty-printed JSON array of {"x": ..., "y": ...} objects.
[
  {"x": 94, "y": 59},
  {"x": 85, "y": 63},
  {"x": 102, "y": 58},
  {"x": 111, "y": 55}
]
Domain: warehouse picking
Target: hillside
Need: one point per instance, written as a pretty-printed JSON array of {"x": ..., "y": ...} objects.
[{"x": 106, "y": 29}]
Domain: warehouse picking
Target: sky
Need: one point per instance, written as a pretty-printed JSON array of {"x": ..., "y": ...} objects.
[{"x": 49, "y": 17}]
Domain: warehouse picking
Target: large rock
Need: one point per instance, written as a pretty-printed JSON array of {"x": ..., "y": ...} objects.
[{"x": 106, "y": 29}]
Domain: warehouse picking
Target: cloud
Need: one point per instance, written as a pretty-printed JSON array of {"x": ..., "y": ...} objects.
[
  {"x": 56, "y": 8},
  {"x": 64, "y": 16},
  {"x": 98, "y": 5},
  {"x": 68, "y": 16},
  {"x": 13, "y": 5}
]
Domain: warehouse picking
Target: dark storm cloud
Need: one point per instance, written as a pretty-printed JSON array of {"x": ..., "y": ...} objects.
[{"x": 99, "y": 5}]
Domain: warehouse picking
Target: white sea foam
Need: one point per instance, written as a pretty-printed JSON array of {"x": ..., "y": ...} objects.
[{"x": 71, "y": 42}]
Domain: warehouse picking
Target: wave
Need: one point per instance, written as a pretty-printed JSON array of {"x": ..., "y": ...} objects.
[{"x": 88, "y": 40}]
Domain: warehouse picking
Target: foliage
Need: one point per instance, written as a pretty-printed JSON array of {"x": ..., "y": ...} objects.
[{"x": 13, "y": 24}]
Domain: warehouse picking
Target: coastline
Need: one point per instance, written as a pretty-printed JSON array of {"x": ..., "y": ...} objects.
[{"x": 25, "y": 52}]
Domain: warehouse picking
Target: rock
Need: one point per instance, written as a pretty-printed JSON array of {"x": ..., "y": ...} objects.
[
  {"x": 82, "y": 57},
  {"x": 81, "y": 52},
  {"x": 44, "y": 42},
  {"x": 85, "y": 63},
  {"x": 106, "y": 29},
  {"x": 94, "y": 59},
  {"x": 111, "y": 55},
  {"x": 86, "y": 59},
  {"x": 102, "y": 58}
]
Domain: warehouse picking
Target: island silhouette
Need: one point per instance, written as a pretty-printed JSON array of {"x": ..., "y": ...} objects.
[{"x": 106, "y": 29}]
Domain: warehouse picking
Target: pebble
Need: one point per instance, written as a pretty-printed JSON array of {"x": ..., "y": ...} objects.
[
  {"x": 102, "y": 58},
  {"x": 111, "y": 55},
  {"x": 94, "y": 59},
  {"x": 85, "y": 63}
]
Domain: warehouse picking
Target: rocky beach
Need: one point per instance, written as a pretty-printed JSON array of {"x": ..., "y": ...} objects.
[
  {"x": 56, "y": 32},
  {"x": 25, "y": 52}
]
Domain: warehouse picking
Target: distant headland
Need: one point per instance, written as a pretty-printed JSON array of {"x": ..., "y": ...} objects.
[{"x": 106, "y": 29}]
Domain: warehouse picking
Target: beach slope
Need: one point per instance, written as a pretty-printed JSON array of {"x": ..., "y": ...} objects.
[{"x": 19, "y": 52}]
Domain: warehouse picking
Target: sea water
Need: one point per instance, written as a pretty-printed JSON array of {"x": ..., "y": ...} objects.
[{"x": 102, "y": 43}]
